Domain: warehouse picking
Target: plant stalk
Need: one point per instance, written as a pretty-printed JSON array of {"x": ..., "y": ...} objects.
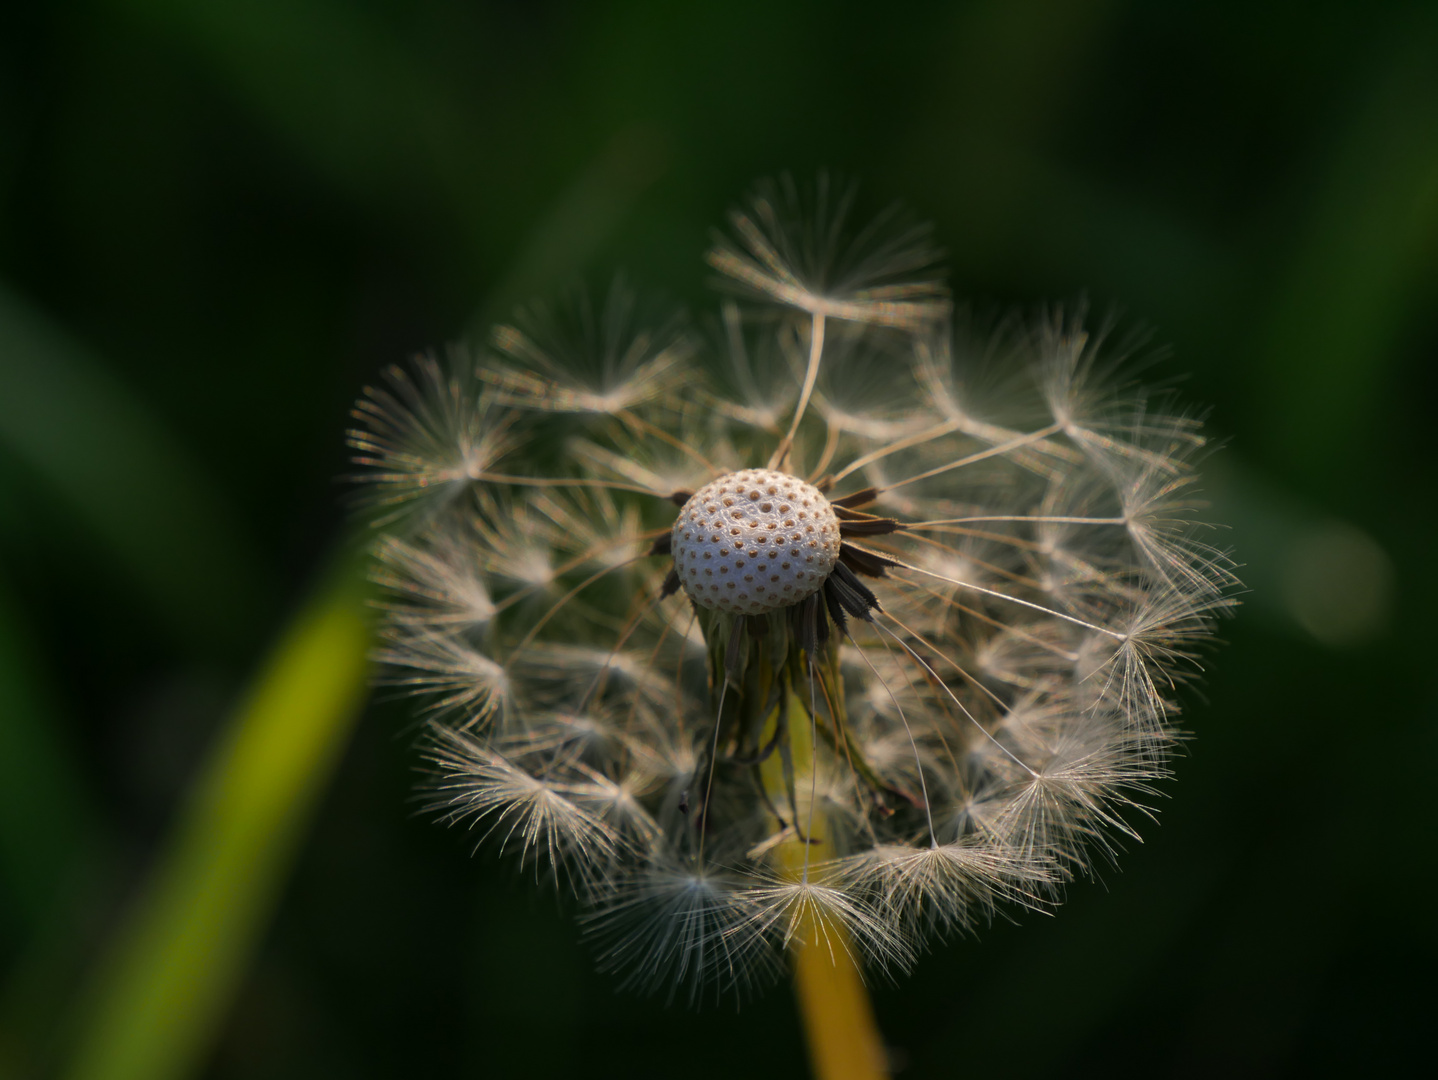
[{"x": 843, "y": 1037}]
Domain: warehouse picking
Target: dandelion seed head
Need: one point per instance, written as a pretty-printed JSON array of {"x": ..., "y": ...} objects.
[{"x": 874, "y": 634}]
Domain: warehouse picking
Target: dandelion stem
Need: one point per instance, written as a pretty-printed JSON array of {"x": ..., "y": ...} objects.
[{"x": 839, "y": 1026}]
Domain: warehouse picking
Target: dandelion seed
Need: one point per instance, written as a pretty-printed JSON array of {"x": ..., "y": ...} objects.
[
  {"x": 685, "y": 929},
  {"x": 800, "y": 251},
  {"x": 834, "y": 648}
]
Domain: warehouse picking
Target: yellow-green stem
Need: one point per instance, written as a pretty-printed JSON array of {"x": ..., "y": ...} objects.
[
  {"x": 839, "y": 1026},
  {"x": 164, "y": 986},
  {"x": 843, "y": 1037}
]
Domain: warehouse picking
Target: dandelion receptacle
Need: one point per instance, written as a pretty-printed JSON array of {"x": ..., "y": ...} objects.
[{"x": 828, "y": 623}]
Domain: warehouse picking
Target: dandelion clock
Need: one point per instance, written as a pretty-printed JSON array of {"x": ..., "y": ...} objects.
[{"x": 799, "y": 638}]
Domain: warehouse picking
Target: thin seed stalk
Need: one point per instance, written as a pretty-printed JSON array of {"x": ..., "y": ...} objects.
[{"x": 839, "y": 1026}]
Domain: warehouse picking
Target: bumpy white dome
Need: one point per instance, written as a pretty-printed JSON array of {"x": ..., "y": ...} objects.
[{"x": 755, "y": 541}]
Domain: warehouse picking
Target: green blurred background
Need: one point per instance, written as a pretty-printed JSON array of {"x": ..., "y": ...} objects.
[{"x": 218, "y": 220}]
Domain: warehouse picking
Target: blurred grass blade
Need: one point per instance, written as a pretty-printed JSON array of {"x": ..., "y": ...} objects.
[
  {"x": 97, "y": 448},
  {"x": 173, "y": 967}
]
